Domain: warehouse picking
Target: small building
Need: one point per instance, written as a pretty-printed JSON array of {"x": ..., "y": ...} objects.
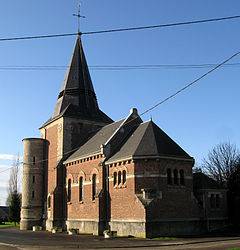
[
  {"x": 90, "y": 173},
  {"x": 212, "y": 198}
]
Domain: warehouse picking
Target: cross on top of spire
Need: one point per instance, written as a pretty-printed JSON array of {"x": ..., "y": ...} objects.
[{"x": 79, "y": 16}]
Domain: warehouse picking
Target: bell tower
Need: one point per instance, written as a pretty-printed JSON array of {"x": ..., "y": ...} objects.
[{"x": 76, "y": 116}]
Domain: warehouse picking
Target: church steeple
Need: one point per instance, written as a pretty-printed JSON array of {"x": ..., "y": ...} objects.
[{"x": 77, "y": 89}]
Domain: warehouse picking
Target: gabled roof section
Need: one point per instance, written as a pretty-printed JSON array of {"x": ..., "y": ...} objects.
[
  {"x": 77, "y": 97},
  {"x": 108, "y": 138},
  {"x": 148, "y": 140},
  {"x": 92, "y": 146}
]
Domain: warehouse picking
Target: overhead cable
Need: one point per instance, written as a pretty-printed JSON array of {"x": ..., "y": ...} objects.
[
  {"x": 161, "y": 102},
  {"x": 121, "y": 67},
  {"x": 120, "y": 30}
]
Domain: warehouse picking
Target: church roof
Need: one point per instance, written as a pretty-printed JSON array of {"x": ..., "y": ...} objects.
[
  {"x": 77, "y": 97},
  {"x": 92, "y": 146},
  {"x": 133, "y": 138},
  {"x": 148, "y": 140}
]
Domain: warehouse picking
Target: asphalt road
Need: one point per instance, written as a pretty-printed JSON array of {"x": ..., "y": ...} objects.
[{"x": 11, "y": 238}]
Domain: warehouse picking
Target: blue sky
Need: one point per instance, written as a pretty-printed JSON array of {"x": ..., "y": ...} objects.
[{"x": 199, "y": 118}]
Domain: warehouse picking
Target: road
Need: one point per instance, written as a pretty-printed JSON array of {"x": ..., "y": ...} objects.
[{"x": 11, "y": 238}]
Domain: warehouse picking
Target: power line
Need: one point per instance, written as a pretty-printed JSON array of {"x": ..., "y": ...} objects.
[
  {"x": 190, "y": 84},
  {"x": 161, "y": 25},
  {"x": 122, "y": 67},
  {"x": 163, "y": 101},
  {"x": 120, "y": 30},
  {"x": 36, "y": 37}
]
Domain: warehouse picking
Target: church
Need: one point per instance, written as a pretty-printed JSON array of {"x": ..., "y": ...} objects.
[{"x": 89, "y": 173}]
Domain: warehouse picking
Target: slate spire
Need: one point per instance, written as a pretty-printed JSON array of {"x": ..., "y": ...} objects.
[{"x": 77, "y": 94}]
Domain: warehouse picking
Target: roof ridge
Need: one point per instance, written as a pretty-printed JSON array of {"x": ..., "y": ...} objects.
[{"x": 133, "y": 111}]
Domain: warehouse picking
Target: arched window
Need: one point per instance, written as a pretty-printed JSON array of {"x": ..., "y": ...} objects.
[
  {"x": 124, "y": 177},
  {"x": 182, "y": 181},
  {"x": 94, "y": 178},
  {"x": 114, "y": 179},
  {"x": 81, "y": 188},
  {"x": 49, "y": 201},
  {"x": 69, "y": 190},
  {"x": 212, "y": 201},
  {"x": 33, "y": 195},
  {"x": 217, "y": 201},
  {"x": 119, "y": 178},
  {"x": 169, "y": 176},
  {"x": 175, "y": 174},
  {"x": 33, "y": 179}
]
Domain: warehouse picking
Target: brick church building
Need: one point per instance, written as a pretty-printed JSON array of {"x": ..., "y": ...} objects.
[{"x": 89, "y": 173}]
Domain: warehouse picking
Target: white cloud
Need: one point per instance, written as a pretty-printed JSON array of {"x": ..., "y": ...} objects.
[{"x": 7, "y": 157}]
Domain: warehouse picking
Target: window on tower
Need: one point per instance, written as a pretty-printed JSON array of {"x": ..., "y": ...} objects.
[{"x": 34, "y": 160}]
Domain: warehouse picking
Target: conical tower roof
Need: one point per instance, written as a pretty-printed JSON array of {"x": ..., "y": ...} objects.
[{"x": 77, "y": 97}]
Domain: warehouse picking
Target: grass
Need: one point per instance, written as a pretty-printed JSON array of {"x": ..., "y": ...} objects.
[
  {"x": 8, "y": 224},
  {"x": 164, "y": 238},
  {"x": 237, "y": 248}
]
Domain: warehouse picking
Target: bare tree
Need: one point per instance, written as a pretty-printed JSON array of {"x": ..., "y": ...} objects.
[
  {"x": 222, "y": 162},
  {"x": 13, "y": 183}
]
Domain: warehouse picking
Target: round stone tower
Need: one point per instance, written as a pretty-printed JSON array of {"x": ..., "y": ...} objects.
[{"x": 33, "y": 182}]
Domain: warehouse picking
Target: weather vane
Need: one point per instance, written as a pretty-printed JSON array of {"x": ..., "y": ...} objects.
[{"x": 79, "y": 16}]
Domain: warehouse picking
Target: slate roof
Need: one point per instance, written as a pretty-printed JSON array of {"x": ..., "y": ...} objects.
[
  {"x": 148, "y": 140},
  {"x": 202, "y": 181},
  {"x": 144, "y": 140},
  {"x": 77, "y": 97},
  {"x": 92, "y": 146}
]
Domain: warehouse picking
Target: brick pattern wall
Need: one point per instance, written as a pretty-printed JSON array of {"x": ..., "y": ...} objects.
[
  {"x": 87, "y": 208},
  {"x": 122, "y": 196}
]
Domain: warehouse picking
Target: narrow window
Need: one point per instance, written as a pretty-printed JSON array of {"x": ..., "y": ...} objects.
[
  {"x": 69, "y": 190},
  {"x": 212, "y": 201},
  {"x": 124, "y": 177},
  {"x": 175, "y": 173},
  {"x": 32, "y": 194},
  {"x": 33, "y": 179},
  {"x": 94, "y": 187},
  {"x": 182, "y": 182},
  {"x": 81, "y": 188},
  {"x": 169, "y": 176},
  {"x": 114, "y": 178},
  {"x": 49, "y": 201},
  {"x": 217, "y": 201},
  {"x": 34, "y": 160},
  {"x": 119, "y": 178}
]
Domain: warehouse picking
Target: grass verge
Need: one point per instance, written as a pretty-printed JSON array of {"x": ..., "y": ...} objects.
[{"x": 8, "y": 224}]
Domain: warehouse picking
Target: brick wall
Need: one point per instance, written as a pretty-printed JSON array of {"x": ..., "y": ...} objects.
[
  {"x": 124, "y": 203},
  {"x": 87, "y": 208}
]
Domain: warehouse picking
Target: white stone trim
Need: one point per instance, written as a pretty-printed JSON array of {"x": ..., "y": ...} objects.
[{"x": 128, "y": 220}]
